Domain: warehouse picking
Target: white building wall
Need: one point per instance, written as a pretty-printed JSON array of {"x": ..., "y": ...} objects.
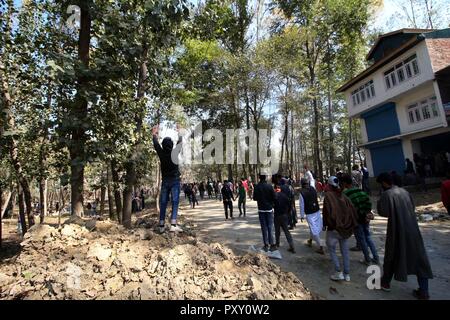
[
  {"x": 420, "y": 93},
  {"x": 382, "y": 94},
  {"x": 369, "y": 162},
  {"x": 364, "y": 138}
]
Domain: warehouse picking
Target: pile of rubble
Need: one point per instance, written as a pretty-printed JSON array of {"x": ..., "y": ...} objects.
[
  {"x": 102, "y": 260},
  {"x": 433, "y": 216}
]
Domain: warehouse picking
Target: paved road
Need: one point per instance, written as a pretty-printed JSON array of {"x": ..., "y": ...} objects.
[{"x": 314, "y": 269}]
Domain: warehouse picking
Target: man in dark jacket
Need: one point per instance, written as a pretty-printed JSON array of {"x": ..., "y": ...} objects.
[
  {"x": 227, "y": 198},
  {"x": 405, "y": 252},
  {"x": 281, "y": 215},
  {"x": 264, "y": 195},
  {"x": 170, "y": 179}
]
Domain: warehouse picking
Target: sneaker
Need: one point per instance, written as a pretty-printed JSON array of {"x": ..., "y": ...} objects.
[
  {"x": 320, "y": 251},
  {"x": 175, "y": 229},
  {"x": 365, "y": 262},
  {"x": 337, "y": 276},
  {"x": 273, "y": 247},
  {"x": 291, "y": 250},
  {"x": 162, "y": 229},
  {"x": 347, "y": 277},
  {"x": 376, "y": 261},
  {"x": 265, "y": 248},
  {"x": 309, "y": 243},
  {"x": 418, "y": 294},
  {"x": 355, "y": 249},
  {"x": 386, "y": 287}
]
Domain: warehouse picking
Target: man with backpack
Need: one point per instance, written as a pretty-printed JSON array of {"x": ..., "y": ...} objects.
[
  {"x": 363, "y": 206},
  {"x": 340, "y": 221}
]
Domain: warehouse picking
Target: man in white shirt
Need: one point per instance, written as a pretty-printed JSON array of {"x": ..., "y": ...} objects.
[{"x": 309, "y": 176}]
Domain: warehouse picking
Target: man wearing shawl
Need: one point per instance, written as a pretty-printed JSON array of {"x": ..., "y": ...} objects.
[{"x": 404, "y": 250}]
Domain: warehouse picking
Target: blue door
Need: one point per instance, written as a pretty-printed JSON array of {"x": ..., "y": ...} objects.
[{"x": 387, "y": 156}]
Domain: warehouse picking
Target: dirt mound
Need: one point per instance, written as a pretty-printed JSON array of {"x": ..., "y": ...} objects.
[{"x": 110, "y": 262}]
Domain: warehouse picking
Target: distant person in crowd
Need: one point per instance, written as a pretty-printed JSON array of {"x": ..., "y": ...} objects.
[
  {"x": 89, "y": 208},
  {"x": 209, "y": 189},
  {"x": 142, "y": 199},
  {"x": 264, "y": 195},
  {"x": 397, "y": 179},
  {"x": 250, "y": 190},
  {"x": 405, "y": 252},
  {"x": 194, "y": 190},
  {"x": 219, "y": 190},
  {"x": 227, "y": 198},
  {"x": 365, "y": 179},
  {"x": 363, "y": 206},
  {"x": 309, "y": 176},
  {"x": 201, "y": 189},
  {"x": 409, "y": 166},
  {"x": 170, "y": 183},
  {"x": 293, "y": 211},
  {"x": 242, "y": 199},
  {"x": 188, "y": 193},
  {"x": 339, "y": 172},
  {"x": 282, "y": 207},
  {"x": 340, "y": 221},
  {"x": 320, "y": 188},
  {"x": 445, "y": 193},
  {"x": 309, "y": 209},
  {"x": 357, "y": 177}
]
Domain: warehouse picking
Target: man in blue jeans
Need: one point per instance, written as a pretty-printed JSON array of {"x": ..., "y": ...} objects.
[
  {"x": 363, "y": 206},
  {"x": 264, "y": 195},
  {"x": 170, "y": 179}
]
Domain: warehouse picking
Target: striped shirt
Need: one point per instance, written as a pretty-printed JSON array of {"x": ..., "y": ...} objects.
[{"x": 360, "y": 201}]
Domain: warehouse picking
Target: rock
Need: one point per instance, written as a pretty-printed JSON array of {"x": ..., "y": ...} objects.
[
  {"x": 145, "y": 234},
  {"x": 254, "y": 283},
  {"x": 98, "y": 251},
  {"x": 90, "y": 225},
  {"x": 39, "y": 232},
  {"x": 114, "y": 284},
  {"x": 70, "y": 230}
]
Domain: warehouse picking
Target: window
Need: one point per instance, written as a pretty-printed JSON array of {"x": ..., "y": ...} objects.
[
  {"x": 422, "y": 111},
  {"x": 363, "y": 93},
  {"x": 402, "y": 71}
]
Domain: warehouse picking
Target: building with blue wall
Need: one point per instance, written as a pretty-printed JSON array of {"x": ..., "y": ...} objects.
[{"x": 402, "y": 99}]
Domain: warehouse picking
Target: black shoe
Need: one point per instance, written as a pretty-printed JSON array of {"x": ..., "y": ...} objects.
[
  {"x": 418, "y": 294},
  {"x": 291, "y": 249},
  {"x": 266, "y": 248},
  {"x": 273, "y": 248}
]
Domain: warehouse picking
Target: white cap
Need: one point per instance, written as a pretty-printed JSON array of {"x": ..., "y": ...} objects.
[{"x": 333, "y": 181}]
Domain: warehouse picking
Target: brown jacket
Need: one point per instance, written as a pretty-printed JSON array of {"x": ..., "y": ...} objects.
[{"x": 339, "y": 214}]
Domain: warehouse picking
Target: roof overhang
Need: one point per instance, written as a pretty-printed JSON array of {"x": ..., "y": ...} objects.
[{"x": 408, "y": 45}]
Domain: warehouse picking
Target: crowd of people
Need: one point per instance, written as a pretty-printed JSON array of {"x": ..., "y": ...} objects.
[{"x": 346, "y": 211}]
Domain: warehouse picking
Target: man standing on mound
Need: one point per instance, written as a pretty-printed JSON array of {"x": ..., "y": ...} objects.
[{"x": 170, "y": 184}]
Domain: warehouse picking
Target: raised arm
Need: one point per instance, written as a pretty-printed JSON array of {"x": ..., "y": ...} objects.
[{"x": 156, "y": 145}]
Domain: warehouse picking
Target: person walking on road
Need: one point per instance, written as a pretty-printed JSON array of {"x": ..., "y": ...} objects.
[
  {"x": 242, "y": 199},
  {"x": 282, "y": 209},
  {"x": 405, "y": 252},
  {"x": 339, "y": 219},
  {"x": 309, "y": 209},
  {"x": 227, "y": 198},
  {"x": 265, "y": 197}
]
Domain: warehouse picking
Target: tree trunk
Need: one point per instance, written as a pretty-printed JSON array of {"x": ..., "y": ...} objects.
[
  {"x": 116, "y": 188},
  {"x": 102, "y": 199},
  {"x": 79, "y": 114},
  {"x": 8, "y": 198},
  {"x": 110, "y": 193},
  {"x": 42, "y": 199},
  {"x": 21, "y": 209},
  {"x": 130, "y": 166}
]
